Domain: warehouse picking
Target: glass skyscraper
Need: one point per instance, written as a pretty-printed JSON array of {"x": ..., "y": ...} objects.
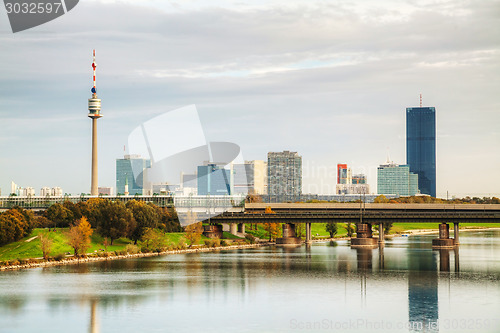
[
  {"x": 396, "y": 179},
  {"x": 214, "y": 180},
  {"x": 421, "y": 146},
  {"x": 129, "y": 169}
]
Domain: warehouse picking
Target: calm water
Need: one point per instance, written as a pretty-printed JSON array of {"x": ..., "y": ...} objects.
[{"x": 323, "y": 288}]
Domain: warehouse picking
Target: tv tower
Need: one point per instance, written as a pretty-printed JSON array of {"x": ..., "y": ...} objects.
[{"x": 94, "y": 113}]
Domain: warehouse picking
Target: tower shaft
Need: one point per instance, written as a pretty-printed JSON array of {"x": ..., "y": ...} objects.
[{"x": 94, "y": 176}]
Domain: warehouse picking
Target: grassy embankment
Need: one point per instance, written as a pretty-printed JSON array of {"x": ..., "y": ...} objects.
[
  {"x": 318, "y": 229},
  {"x": 29, "y": 247}
]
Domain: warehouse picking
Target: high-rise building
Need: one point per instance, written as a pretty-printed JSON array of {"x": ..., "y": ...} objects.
[
  {"x": 421, "y": 146},
  {"x": 250, "y": 177},
  {"x": 45, "y": 191},
  {"x": 359, "y": 179},
  {"x": 130, "y": 171},
  {"x": 343, "y": 174},
  {"x": 396, "y": 179},
  {"x": 213, "y": 180},
  {"x": 284, "y": 176}
]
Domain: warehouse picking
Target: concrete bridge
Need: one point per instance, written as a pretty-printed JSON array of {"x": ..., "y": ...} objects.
[{"x": 363, "y": 215}]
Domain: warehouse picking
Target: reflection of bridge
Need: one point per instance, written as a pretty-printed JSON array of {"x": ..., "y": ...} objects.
[{"x": 364, "y": 216}]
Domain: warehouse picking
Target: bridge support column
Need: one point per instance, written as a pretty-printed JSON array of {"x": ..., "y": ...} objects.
[
  {"x": 213, "y": 230},
  {"x": 289, "y": 235},
  {"x": 241, "y": 228},
  {"x": 444, "y": 241},
  {"x": 455, "y": 231},
  {"x": 381, "y": 234},
  {"x": 364, "y": 236},
  {"x": 233, "y": 228},
  {"x": 308, "y": 233}
]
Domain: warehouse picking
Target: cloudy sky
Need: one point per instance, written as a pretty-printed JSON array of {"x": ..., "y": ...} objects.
[{"x": 329, "y": 79}]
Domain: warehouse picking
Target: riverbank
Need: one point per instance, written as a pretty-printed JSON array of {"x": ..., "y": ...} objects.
[{"x": 92, "y": 258}]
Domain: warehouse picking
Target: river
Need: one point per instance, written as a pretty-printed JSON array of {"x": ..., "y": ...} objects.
[{"x": 327, "y": 287}]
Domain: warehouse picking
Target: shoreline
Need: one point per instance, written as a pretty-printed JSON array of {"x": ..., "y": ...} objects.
[{"x": 90, "y": 259}]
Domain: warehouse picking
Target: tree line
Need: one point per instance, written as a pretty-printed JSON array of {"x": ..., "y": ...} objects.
[
  {"x": 114, "y": 219},
  {"x": 111, "y": 219}
]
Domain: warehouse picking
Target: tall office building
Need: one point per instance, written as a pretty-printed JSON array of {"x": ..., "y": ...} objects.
[
  {"x": 396, "y": 179},
  {"x": 250, "y": 177},
  {"x": 421, "y": 146},
  {"x": 130, "y": 170},
  {"x": 343, "y": 174},
  {"x": 284, "y": 176},
  {"x": 213, "y": 180}
]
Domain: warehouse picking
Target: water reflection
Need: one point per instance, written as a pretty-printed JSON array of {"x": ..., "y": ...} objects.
[{"x": 404, "y": 282}]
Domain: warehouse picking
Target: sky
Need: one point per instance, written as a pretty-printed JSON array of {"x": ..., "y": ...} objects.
[{"x": 328, "y": 79}]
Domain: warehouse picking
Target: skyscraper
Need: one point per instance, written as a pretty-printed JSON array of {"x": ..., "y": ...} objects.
[
  {"x": 421, "y": 146},
  {"x": 130, "y": 171},
  {"x": 284, "y": 176},
  {"x": 250, "y": 177},
  {"x": 396, "y": 179},
  {"x": 214, "y": 180}
]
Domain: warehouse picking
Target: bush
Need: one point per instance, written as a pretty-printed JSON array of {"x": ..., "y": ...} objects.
[
  {"x": 59, "y": 257},
  {"x": 250, "y": 238},
  {"x": 223, "y": 242},
  {"x": 132, "y": 249}
]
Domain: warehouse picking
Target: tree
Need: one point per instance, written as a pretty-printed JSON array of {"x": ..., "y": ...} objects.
[
  {"x": 300, "y": 230},
  {"x": 331, "y": 228},
  {"x": 350, "y": 229},
  {"x": 45, "y": 245},
  {"x": 111, "y": 219},
  {"x": 272, "y": 230},
  {"x": 13, "y": 226},
  {"x": 153, "y": 240},
  {"x": 193, "y": 233},
  {"x": 79, "y": 236},
  {"x": 381, "y": 199},
  {"x": 60, "y": 215},
  {"x": 146, "y": 217},
  {"x": 387, "y": 228}
]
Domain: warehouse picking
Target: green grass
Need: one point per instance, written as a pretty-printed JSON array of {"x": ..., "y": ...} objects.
[
  {"x": 228, "y": 235},
  {"x": 27, "y": 250}
]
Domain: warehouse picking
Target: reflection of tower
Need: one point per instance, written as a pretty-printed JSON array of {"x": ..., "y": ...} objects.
[
  {"x": 94, "y": 113},
  {"x": 423, "y": 306},
  {"x": 94, "y": 324}
]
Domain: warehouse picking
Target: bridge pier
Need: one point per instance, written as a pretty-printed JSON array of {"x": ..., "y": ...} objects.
[
  {"x": 444, "y": 241},
  {"x": 289, "y": 235},
  {"x": 381, "y": 233},
  {"x": 455, "y": 232},
  {"x": 364, "y": 236},
  {"x": 241, "y": 228},
  {"x": 213, "y": 230},
  {"x": 308, "y": 233},
  {"x": 233, "y": 228}
]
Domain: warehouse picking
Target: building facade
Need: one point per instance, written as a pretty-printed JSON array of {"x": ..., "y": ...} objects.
[
  {"x": 397, "y": 180},
  {"x": 250, "y": 177},
  {"x": 130, "y": 170},
  {"x": 421, "y": 146},
  {"x": 284, "y": 176},
  {"x": 213, "y": 179}
]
